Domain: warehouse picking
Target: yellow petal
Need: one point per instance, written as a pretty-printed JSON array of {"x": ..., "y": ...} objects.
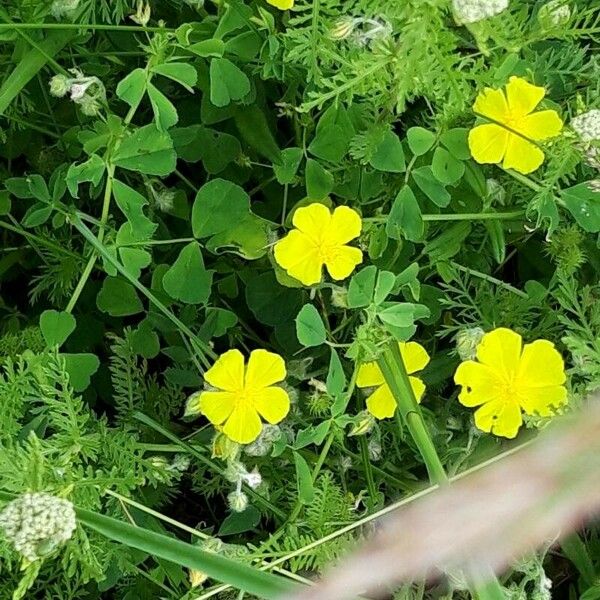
[
  {"x": 216, "y": 406},
  {"x": 541, "y": 365},
  {"x": 480, "y": 383},
  {"x": 264, "y": 369},
  {"x": 281, "y": 4},
  {"x": 313, "y": 220},
  {"x": 343, "y": 261},
  {"x": 244, "y": 425},
  {"x": 228, "y": 372},
  {"x": 369, "y": 375},
  {"x": 543, "y": 401},
  {"x": 540, "y": 125},
  {"x": 522, "y": 96},
  {"x": 273, "y": 404},
  {"x": 488, "y": 143},
  {"x": 345, "y": 225},
  {"x": 500, "y": 349},
  {"x": 298, "y": 255},
  {"x": 415, "y": 357},
  {"x": 492, "y": 104},
  {"x": 522, "y": 155},
  {"x": 500, "y": 418},
  {"x": 381, "y": 403},
  {"x": 418, "y": 387}
]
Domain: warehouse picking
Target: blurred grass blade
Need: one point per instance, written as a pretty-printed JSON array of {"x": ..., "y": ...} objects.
[
  {"x": 226, "y": 570},
  {"x": 31, "y": 64}
]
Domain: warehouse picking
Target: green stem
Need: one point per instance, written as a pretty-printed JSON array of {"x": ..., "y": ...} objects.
[
  {"x": 364, "y": 453},
  {"x": 394, "y": 371},
  {"x": 78, "y": 26},
  {"x": 483, "y": 216},
  {"x": 574, "y": 549}
]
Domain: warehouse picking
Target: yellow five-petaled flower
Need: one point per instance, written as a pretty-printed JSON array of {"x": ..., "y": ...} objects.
[
  {"x": 381, "y": 403},
  {"x": 320, "y": 238},
  {"x": 508, "y": 378},
  {"x": 509, "y": 138},
  {"x": 243, "y": 394},
  {"x": 281, "y": 4}
]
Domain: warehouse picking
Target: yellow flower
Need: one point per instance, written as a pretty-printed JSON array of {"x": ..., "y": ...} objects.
[
  {"x": 507, "y": 139},
  {"x": 281, "y": 4},
  {"x": 244, "y": 394},
  {"x": 320, "y": 238},
  {"x": 509, "y": 378},
  {"x": 381, "y": 403}
]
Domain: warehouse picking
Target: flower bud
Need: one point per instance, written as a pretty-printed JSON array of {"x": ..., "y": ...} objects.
[
  {"x": 253, "y": 478},
  {"x": 60, "y": 85},
  {"x": 363, "y": 423},
  {"x": 342, "y": 28},
  {"x": 587, "y": 125},
  {"x": 196, "y": 578},
  {"x": 262, "y": 445},
  {"x": 374, "y": 448},
  {"x": 238, "y": 501},
  {"x": 142, "y": 14},
  {"x": 339, "y": 297},
  {"x": 553, "y": 14},
  {"x": 467, "y": 341},
  {"x": 472, "y": 11},
  {"x": 224, "y": 448}
]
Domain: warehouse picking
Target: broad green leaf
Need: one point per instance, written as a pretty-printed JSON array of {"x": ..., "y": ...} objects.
[
  {"x": 361, "y": 288},
  {"x": 306, "y": 491},
  {"x": 333, "y": 134},
  {"x": 247, "y": 238},
  {"x": 456, "y": 142},
  {"x": 165, "y": 114},
  {"x": 310, "y": 329},
  {"x": 336, "y": 382},
  {"x": 286, "y": 170},
  {"x": 214, "y": 148},
  {"x": 37, "y": 215},
  {"x": 408, "y": 278},
  {"x": 135, "y": 260},
  {"x": 420, "y": 140},
  {"x": 402, "y": 314},
  {"x": 132, "y": 88},
  {"x": 118, "y": 298},
  {"x": 319, "y": 181},
  {"x": 5, "y": 203},
  {"x": 219, "y": 205},
  {"x": 431, "y": 187},
  {"x": 132, "y": 205},
  {"x": 389, "y": 154},
  {"x": 497, "y": 240},
  {"x": 445, "y": 168},
  {"x": 405, "y": 217},
  {"x": 147, "y": 150},
  {"x": 240, "y": 522},
  {"x": 227, "y": 82},
  {"x": 80, "y": 368},
  {"x": 448, "y": 243},
  {"x": 38, "y": 188},
  {"x": 144, "y": 341},
  {"x": 91, "y": 170},
  {"x": 245, "y": 46},
  {"x": 271, "y": 303},
  {"x": 255, "y": 131},
  {"x": 584, "y": 204},
  {"x": 208, "y": 48},
  {"x": 385, "y": 284},
  {"x": 188, "y": 280},
  {"x": 183, "y": 73},
  {"x": 314, "y": 434},
  {"x": 56, "y": 326}
]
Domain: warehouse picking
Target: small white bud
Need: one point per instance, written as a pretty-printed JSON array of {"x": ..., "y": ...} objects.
[
  {"x": 253, "y": 478},
  {"x": 142, "y": 14},
  {"x": 238, "y": 501},
  {"x": 60, "y": 85},
  {"x": 587, "y": 125},
  {"x": 467, "y": 341},
  {"x": 554, "y": 14}
]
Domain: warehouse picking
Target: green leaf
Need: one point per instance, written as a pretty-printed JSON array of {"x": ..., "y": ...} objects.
[
  {"x": 208, "y": 48},
  {"x": 214, "y": 148},
  {"x": 314, "y": 434},
  {"x": 405, "y": 217},
  {"x": 445, "y": 168},
  {"x": 361, "y": 288},
  {"x": 80, "y": 368},
  {"x": 385, "y": 284},
  {"x": 118, "y": 298},
  {"x": 132, "y": 88},
  {"x": 5, "y": 203},
  {"x": 135, "y": 260},
  {"x": 271, "y": 303},
  {"x": 132, "y": 205},
  {"x": 165, "y": 114},
  {"x": 219, "y": 204},
  {"x": 144, "y": 341},
  {"x": 240, "y": 522},
  {"x": 147, "y": 150},
  {"x": 584, "y": 204},
  {"x": 56, "y": 326},
  {"x": 188, "y": 280},
  {"x": 37, "y": 215},
  {"x": 402, "y": 314},
  {"x": 431, "y": 187},
  {"x": 183, "y": 73},
  {"x": 456, "y": 141},
  {"x": 255, "y": 131},
  {"x": 226, "y": 570},
  {"x": 448, "y": 243},
  {"x": 319, "y": 181},
  {"x": 91, "y": 170},
  {"x": 420, "y": 140},
  {"x": 227, "y": 82},
  {"x": 247, "y": 238},
  {"x": 333, "y": 134},
  {"x": 336, "y": 382},
  {"x": 497, "y": 240},
  {"x": 286, "y": 170},
  {"x": 309, "y": 327},
  {"x": 306, "y": 491},
  {"x": 389, "y": 155}
]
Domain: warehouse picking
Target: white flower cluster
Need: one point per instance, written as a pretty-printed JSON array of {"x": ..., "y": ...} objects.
[
  {"x": 472, "y": 11},
  {"x": 554, "y": 14},
  {"x": 87, "y": 92},
  {"x": 587, "y": 125},
  {"x": 37, "y": 523}
]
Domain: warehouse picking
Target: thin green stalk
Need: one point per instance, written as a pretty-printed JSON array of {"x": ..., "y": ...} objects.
[
  {"x": 575, "y": 550},
  {"x": 364, "y": 453},
  {"x": 78, "y": 26}
]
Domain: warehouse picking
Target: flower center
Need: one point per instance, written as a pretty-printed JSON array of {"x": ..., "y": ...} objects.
[{"x": 327, "y": 252}]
